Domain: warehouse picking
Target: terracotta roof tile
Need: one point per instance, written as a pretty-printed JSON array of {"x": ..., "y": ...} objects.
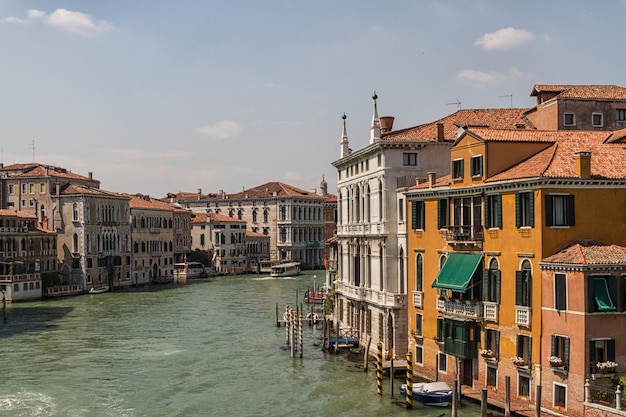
[
  {"x": 266, "y": 190},
  {"x": 217, "y": 217},
  {"x": 444, "y": 181},
  {"x": 606, "y": 92},
  {"x": 494, "y": 118},
  {"x": 16, "y": 213},
  {"x": 250, "y": 233},
  {"x": 84, "y": 189},
  {"x": 140, "y": 201},
  {"x": 589, "y": 252},
  {"x": 39, "y": 170}
]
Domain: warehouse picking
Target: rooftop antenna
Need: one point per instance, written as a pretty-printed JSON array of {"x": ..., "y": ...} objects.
[
  {"x": 32, "y": 146},
  {"x": 508, "y": 95},
  {"x": 457, "y": 102}
]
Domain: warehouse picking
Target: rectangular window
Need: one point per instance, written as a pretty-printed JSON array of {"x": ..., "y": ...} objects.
[
  {"x": 560, "y": 210},
  {"x": 524, "y": 209},
  {"x": 493, "y": 211},
  {"x": 31, "y": 188},
  {"x": 523, "y": 288},
  {"x": 419, "y": 355},
  {"x": 443, "y": 213},
  {"x": 597, "y": 120},
  {"x": 457, "y": 169},
  {"x": 409, "y": 159},
  {"x": 42, "y": 187},
  {"x": 569, "y": 119},
  {"x": 560, "y": 396},
  {"x": 11, "y": 189},
  {"x": 602, "y": 290},
  {"x": 601, "y": 350},
  {"x": 560, "y": 349},
  {"x": 418, "y": 217},
  {"x": 492, "y": 342},
  {"x": 401, "y": 210},
  {"x": 560, "y": 291},
  {"x": 620, "y": 115},
  {"x": 524, "y": 349},
  {"x": 492, "y": 376},
  {"x": 523, "y": 383},
  {"x": 443, "y": 362},
  {"x": 24, "y": 188},
  {"x": 418, "y": 325},
  {"x": 477, "y": 166}
]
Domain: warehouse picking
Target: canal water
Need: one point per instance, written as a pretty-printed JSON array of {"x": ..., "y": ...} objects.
[{"x": 207, "y": 348}]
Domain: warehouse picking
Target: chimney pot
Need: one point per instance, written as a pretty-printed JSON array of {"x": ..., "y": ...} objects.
[
  {"x": 386, "y": 124},
  {"x": 90, "y": 175}
]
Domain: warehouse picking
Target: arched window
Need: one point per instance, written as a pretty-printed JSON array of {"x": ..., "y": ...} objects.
[
  {"x": 523, "y": 284},
  {"x": 419, "y": 272},
  {"x": 75, "y": 243}
]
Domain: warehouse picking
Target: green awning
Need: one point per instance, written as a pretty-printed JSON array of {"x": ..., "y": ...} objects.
[
  {"x": 602, "y": 296},
  {"x": 457, "y": 271}
]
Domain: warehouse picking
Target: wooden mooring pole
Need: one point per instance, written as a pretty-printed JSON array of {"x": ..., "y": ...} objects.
[
  {"x": 379, "y": 369},
  {"x": 409, "y": 380}
]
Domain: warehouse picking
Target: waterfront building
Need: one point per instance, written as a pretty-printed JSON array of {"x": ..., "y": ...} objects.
[
  {"x": 26, "y": 252},
  {"x": 372, "y": 221},
  {"x": 182, "y": 232},
  {"x": 478, "y": 240},
  {"x": 93, "y": 233},
  {"x": 291, "y": 217},
  {"x": 225, "y": 238},
  {"x": 152, "y": 233},
  {"x": 258, "y": 249}
]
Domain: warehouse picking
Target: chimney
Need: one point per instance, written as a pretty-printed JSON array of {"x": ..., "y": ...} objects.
[
  {"x": 432, "y": 179},
  {"x": 440, "y": 132},
  {"x": 386, "y": 124},
  {"x": 583, "y": 164},
  {"x": 90, "y": 175},
  {"x": 199, "y": 193}
]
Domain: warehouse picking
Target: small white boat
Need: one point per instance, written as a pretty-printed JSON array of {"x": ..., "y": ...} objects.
[
  {"x": 98, "y": 290},
  {"x": 289, "y": 269},
  {"x": 430, "y": 393}
]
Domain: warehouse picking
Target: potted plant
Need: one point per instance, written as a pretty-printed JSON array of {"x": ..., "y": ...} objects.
[
  {"x": 486, "y": 353},
  {"x": 555, "y": 361},
  {"x": 518, "y": 361},
  {"x": 606, "y": 367}
]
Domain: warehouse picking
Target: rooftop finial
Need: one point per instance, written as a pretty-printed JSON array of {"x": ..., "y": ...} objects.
[{"x": 375, "y": 96}]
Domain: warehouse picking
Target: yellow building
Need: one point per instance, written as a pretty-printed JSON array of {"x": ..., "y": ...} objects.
[{"x": 477, "y": 237}]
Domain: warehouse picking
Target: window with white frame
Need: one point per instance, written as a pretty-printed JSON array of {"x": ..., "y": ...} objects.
[
  {"x": 560, "y": 210},
  {"x": 523, "y": 385},
  {"x": 457, "y": 169},
  {"x": 620, "y": 115},
  {"x": 560, "y": 396},
  {"x": 597, "y": 120},
  {"x": 476, "y": 166},
  {"x": 419, "y": 355},
  {"x": 443, "y": 362},
  {"x": 492, "y": 376}
]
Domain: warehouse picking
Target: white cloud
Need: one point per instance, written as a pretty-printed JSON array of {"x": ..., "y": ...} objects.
[
  {"x": 67, "y": 20},
  {"x": 506, "y": 38},
  {"x": 220, "y": 130},
  {"x": 479, "y": 79}
]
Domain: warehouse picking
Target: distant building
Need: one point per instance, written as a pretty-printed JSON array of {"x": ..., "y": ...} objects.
[
  {"x": 26, "y": 251},
  {"x": 292, "y": 218},
  {"x": 223, "y": 236},
  {"x": 258, "y": 249}
]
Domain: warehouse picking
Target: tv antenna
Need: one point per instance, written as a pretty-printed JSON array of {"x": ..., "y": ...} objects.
[
  {"x": 457, "y": 102},
  {"x": 508, "y": 95}
]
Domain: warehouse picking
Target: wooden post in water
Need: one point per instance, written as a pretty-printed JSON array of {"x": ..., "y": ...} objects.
[
  {"x": 379, "y": 368},
  {"x": 538, "y": 401},
  {"x": 483, "y": 403},
  {"x": 300, "y": 335},
  {"x": 409, "y": 380},
  {"x": 366, "y": 353},
  {"x": 277, "y": 321},
  {"x": 507, "y": 396},
  {"x": 286, "y": 318},
  {"x": 455, "y": 400},
  {"x": 292, "y": 334}
]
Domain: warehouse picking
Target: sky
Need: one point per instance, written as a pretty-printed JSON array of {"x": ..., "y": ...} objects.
[{"x": 156, "y": 96}]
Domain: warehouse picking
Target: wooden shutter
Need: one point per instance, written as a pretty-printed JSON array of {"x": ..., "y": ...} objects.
[
  {"x": 488, "y": 203},
  {"x": 531, "y": 209},
  {"x": 566, "y": 352},
  {"x": 497, "y": 352},
  {"x": 530, "y": 351},
  {"x": 486, "y": 285},
  {"x": 610, "y": 350},
  {"x": 518, "y": 211},
  {"x": 498, "y": 211},
  {"x": 553, "y": 351},
  {"x": 414, "y": 215},
  {"x": 569, "y": 204},
  {"x": 519, "y": 279},
  {"x": 439, "y": 214},
  {"x": 549, "y": 211},
  {"x": 497, "y": 275}
]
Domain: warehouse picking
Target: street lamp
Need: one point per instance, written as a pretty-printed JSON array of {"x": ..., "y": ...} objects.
[{"x": 4, "y": 305}]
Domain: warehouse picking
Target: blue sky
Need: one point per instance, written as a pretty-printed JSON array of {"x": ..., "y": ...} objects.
[{"x": 160, "y": 96}]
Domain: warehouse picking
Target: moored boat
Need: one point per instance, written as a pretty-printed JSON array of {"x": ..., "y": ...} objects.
[
  {"x": 99, "y": 290},
  {"x": 430, "y": 393}
]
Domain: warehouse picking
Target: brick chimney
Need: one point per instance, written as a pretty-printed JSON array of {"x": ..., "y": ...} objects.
[
  {"x": 199, "y": 193},
  {"x": 583, "y": 164},
  {"x": 440, "y": 137},
  {"x": 432, "y": 179}
]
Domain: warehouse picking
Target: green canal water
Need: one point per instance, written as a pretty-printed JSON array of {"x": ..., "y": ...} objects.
[{"x": 207, "y": 348}]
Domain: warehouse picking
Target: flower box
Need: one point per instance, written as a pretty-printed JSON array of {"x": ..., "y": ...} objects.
[
  {"x": 607, "y": 367},
  {"x": 555, "y": 361},
  {"x": 486, "y": 353},
  {"x": 518, "y": 361}
]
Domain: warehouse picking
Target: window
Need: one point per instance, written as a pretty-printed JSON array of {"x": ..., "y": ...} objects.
[
  {"x": 42, "y": 187},
  {"x": 601, "y": 350},
  {"x": 443, "y": 362},
  {"x": 418, "y": 218},
  {"x": 419, "y": 355},
  {"x": 401, "y": 210},
  {"x": 477, "y": 166},
  {"x": 523, "y": 285},
  {"x": 492, "y": 376},
  {"x": 418, "y": 325},
  {"x": 560, "y": 349},
  {"x": 524, "y": 348},
  {"x": 419, "y": 272},
  {"x": 11, "y": 189},
  {"x": 492, "y": 342},
  {"x": 560, "y": 395},
  {"x": 523, "y": 384},
  {"x": 31, "y": 188},
  {"x": 602, "y": 291},
  {"x": 457, "y": 169},
  {"x": 409, "y": 159},
  {"x": 620, "y": 115},
  {"x": 491, "y": 282},
  {"x": 596, "y": 119},
  {"x": 24, "y": 188},
  {"x": 443, "y": 213},
  {"x": 560, "y": 210},
  {"x": 75, "y": 212},
  {"x": 569, "y": 119},
  {"x": 560, "y": 291},
  {"x": 493, "y": 211},
  {"x": 524, "y": 209}
]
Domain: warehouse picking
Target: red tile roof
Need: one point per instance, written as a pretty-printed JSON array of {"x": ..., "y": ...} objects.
[
  {"x": 250, "y": 233},
  {"x": 16, "y": 213},
  {"x": 588, "y": 252},
  {"x": 600, "y": 92},
  {"x": 84, "y": 189},
  {"x": 266, "y": 190},
  {"x": 217, "y": 217},
  {"x": 494, "y": 118},
  {"x": 36, "y": 170},
  {"x": 146, "y": 202}
]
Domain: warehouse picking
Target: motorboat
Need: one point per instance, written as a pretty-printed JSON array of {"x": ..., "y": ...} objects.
[
  {"x": 430, "y": 393},
  {"x": 98, "y": 290},
  {"x": 288, "y": 269}
]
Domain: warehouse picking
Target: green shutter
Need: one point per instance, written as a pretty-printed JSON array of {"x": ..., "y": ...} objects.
[
  {"x": 486, "y": 285},
  {"x": 518, "y": 211},
  {"x": 569, "y": 204},
  {"x": 519, "y": 279},
  {"x": 553, "y": 351},
  {"x": 549, "y": 211},
  {"x": 497, "y": 274},
  {"x": 497, "y": 352},
  {"x": 498, "y": 211},
  {"x": 566, "y": 352},
  {"x": 530, "y": 351},
  {"x": 414, "y": 215},
  {"x": 531, "y": 209},
  {"x": 488, "y": 202},
  {"x": 439, "y": 216},
  {"x": 610, "y": 350}
]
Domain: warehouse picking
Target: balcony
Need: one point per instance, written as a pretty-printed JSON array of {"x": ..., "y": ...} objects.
[
  {"x": 522, "y": 316},
  {"x": 155, "y": 230},
  {"x": 418, "y": 297},
  {"x": 460, "y": 308},
  {"x": 464, "y": 235},
  {"x": 490, "y": 311},
  {"x": 372, "y": 296}
]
